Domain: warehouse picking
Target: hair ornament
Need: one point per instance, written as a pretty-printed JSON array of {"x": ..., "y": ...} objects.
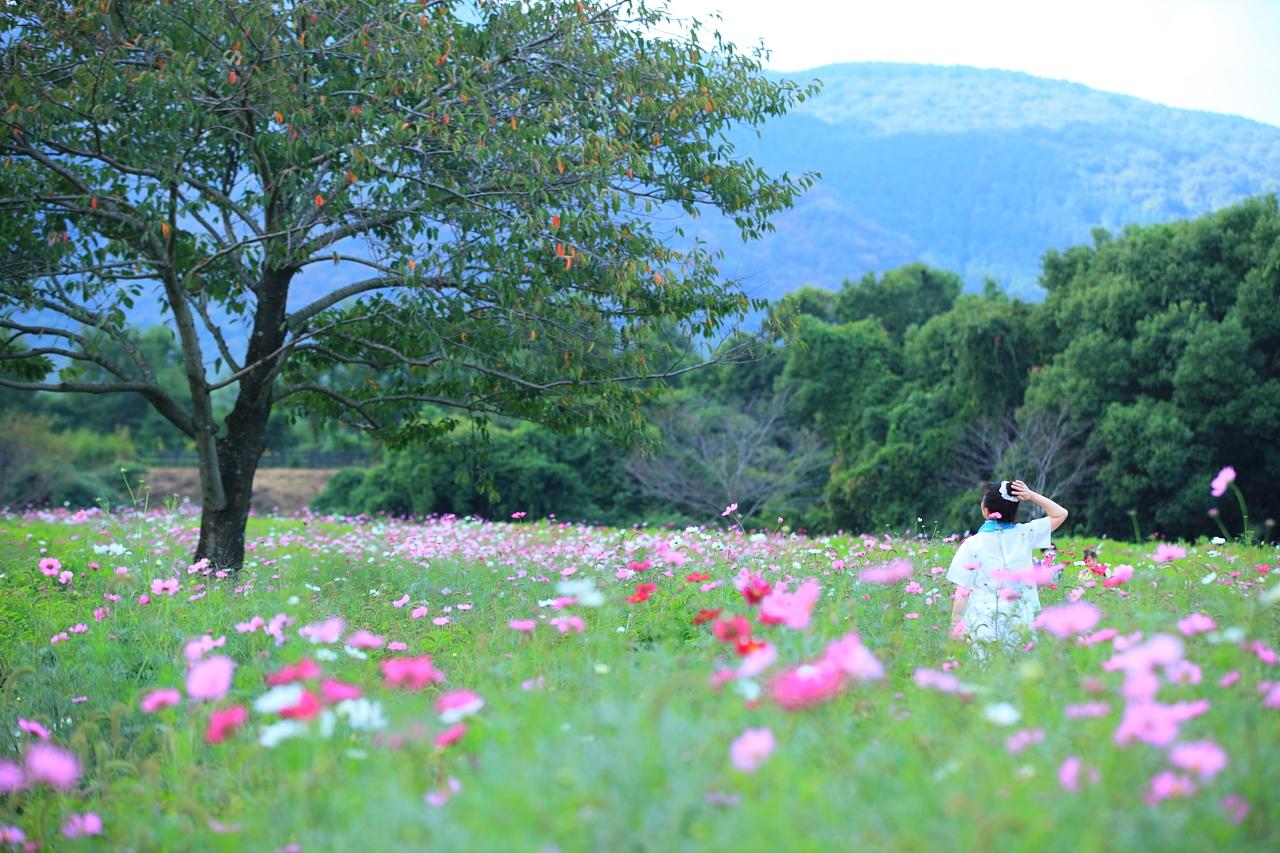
[{"x": 1004, "y": 492}]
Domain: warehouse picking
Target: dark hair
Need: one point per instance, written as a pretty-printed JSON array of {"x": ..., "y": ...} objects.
[
  {"x": 1091, "y": 552},
  {"x": 993, "y": 503}
]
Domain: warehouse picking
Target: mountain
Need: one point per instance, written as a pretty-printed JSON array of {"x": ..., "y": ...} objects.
[{"x": 980, "y": 172}]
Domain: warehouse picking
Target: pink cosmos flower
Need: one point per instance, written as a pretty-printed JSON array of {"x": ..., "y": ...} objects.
[
  {"x": 50, "y": 566},
  {"x": 328, "y": 631},
  {"x": 1168, "y": 784},
  {"x": 522, "y": 625},
  {"x": 1160, "y": 650},
  {"x": 1225, "y": 478},
  {"x": 1229, "y": 679},
  {"x": 1069, "y": 774},
  {"x": 200, "y": 646},
  {"x": 224, "y": 721},
  {"x": 750, "y": 749},
  {"x": 304, "y": 670},
  {"x": 943, "y": 682},
  {"x": 1119, "y": 575},
  {"x": 164, "y": 586},
  {"x": 249, "y": 627},
  {"x": 565, "y": 624},
  {"x": 757, "y": 661},
  {"x": 792, "y": 609},
  {"x": 440, "y": 620},
  {"x": 338, "y": 691},
  {"x": 64, "y": 577},
  {"x": 854, "y": 659},
  {"x": 32, "y": 727},
  {"x": 1087, "y": 709},
  {"x": 439, "y": 797},
  {"x": 458, "y": 705},
  {"x": 210, "y": 679},
  {"x": 1020, "y": 740},
  {"x": 1203, "y": 758},
  {"x": 1183, "y": 672},
  {"x": 363, "y": 639},
  {"x": 1064, "y": 620},
  {"x": 165, "y": 697},
  {"x": 78, "y": 825},
  {"x": 1196, "y": 623},
  {"x": 307, "y": 707},
  {"x": 807, "y": 685},
  {"x": 52, "y": 765},
  {"x": 401, "y": 602},
  {"x": 1167, "y": 553},
  {"x": 10, "y": 834},
  {"x": 11, "y": 778},
  {"x": 1236, "y": 807},
  {"x": 397, "y": 646},
  {"x": 894, "y": 572},
  {"x": 411, "y": 673},
  {"x": 418, "y": 612},
  {"x": 451, "y": 735}
]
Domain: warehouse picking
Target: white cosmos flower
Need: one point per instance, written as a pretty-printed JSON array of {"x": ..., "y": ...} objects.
[
  {"x": 1002, "y": 714},
  {"x": 278, "y": 732},
  {"x": 325, "y": 654},
  {"x": 1209, "y": 578},
  {"x": 278, "y": 698},
  {"x": 362, "y": 714},
  {"x": 582, "y": 589}
]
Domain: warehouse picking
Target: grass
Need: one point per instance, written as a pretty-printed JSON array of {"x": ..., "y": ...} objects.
[{"x": 622, "y": 743}]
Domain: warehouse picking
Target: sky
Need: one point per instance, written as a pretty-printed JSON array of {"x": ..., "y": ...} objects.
[{"x": 1217, "y": 55}]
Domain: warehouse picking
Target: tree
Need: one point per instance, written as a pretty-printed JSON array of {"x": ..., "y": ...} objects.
[
  {"x": 715, "y": 454},
  {"x": 459, "y": 204}
]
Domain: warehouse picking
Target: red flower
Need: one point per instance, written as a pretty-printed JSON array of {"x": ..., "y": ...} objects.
[
  {"x": 643, "y": 591},
  {"x": 697, "y": 577},
  {"x": 308, "y": 706},
  {"x": 303, "y": 670},
  {"x": 224, "y": 721},
  {"x": 747, "y": 644},
  {"x": 705, "y": 616},
  {"x": 640, "y": 566},
  {"x": 730, "y": 630}
]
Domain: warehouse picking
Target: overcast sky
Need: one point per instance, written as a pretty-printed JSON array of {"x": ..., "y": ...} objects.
[{"x": 1217, "y": 55}]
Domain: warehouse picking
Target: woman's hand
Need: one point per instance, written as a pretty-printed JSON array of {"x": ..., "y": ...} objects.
[{"x": 1022, "y": 491}]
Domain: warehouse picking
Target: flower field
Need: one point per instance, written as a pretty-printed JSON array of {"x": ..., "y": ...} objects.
[{"x": 532, "y": 685}]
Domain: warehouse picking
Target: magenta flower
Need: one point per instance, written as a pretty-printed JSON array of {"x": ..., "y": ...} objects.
[
  {"x": 338, "y": 691},
  {"x": 1225, "y": 478},
  {"x": 410, "y": 673},
  {"x": 50, "y": 566},
  {"x": 402, "y": 601},
  {"x": 224, "y": 721},
  {"x": 807, "y": 685},
  {"x": 78, "y": 825},
  {"x": 565, "y": 624},
  {"x": 10, "y": 834},
  {"x": 52, "y": 765},
  {"x": 162, "y": 698},
  {"x": 1203, "y": 758},
  {"x": 749, "y": 749},
  {"x": 894, "y": 572},
  {"x": 1069, "y": 774},
  {"x": 1167, "y": 553},
  {"x": 11, "y": 778},
  {"x": 451, "y": 735},
  {"x": 1065, "y": 620},
  {"x": 418, "y": 612},
  {"x": 1087, "y": 709},
  {"x": 32, "y": 727},
  {"x": 210, "y": 679},
  {"x": 458, "y": 705},
  {"x": 522, "y": 625}
]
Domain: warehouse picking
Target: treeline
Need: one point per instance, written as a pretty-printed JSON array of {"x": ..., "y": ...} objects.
[{"x": 1153, "y": 361}]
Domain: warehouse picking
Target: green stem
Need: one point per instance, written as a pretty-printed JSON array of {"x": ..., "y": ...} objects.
[
  {"x": 1244, "y": 514},
  {"x": 1226, "y": 534},
  {"x": 1137, "y": 534}
]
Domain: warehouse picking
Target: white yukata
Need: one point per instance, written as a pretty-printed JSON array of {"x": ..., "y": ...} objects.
[{"x": 1000, "y": 611}]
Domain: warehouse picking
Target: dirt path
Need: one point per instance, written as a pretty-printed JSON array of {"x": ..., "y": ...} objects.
[{"x": 283, "y": 490}]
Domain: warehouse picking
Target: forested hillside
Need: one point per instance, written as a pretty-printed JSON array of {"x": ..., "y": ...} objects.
[{"x": 981, "y": 171}]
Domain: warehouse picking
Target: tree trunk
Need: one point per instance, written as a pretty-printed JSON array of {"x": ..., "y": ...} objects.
[
  {"x": 222, "y": 530},
  {"x": 240, "y": 449}
]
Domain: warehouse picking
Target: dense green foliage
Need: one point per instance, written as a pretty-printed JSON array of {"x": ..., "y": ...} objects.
[{"x": 1153, "y": 362}]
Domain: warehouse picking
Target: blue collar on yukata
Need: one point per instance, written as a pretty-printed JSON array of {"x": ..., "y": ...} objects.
[{"x": 993, "y": 526}]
